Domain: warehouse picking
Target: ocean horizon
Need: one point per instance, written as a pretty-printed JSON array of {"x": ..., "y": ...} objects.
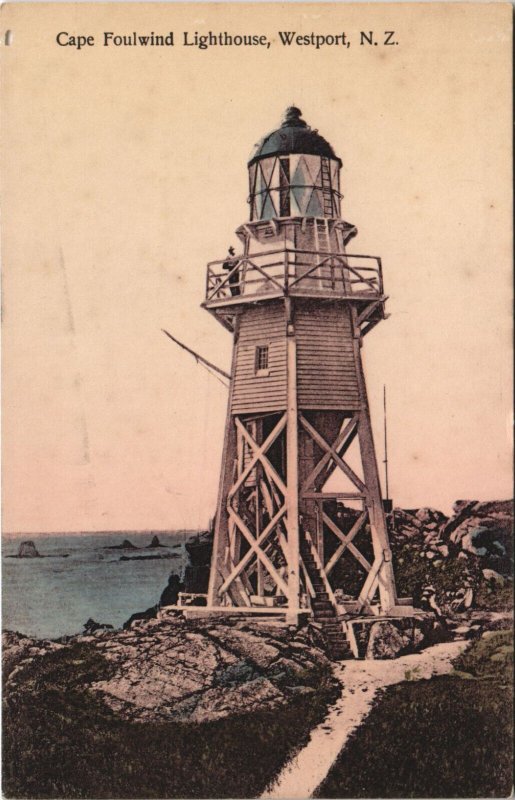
[{"x": 80, "y": 576}]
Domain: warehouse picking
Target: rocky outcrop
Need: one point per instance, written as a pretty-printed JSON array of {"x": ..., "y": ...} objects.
[
  {"x": 170, "y": 593},
  {"x": 199, "y": 549},
  {"x": 390, "y": 639},
  {"x": 476, "y": 528},
  {"x": 28, "y": 550},
  {"x": 19, "y": 651},
  {"x": 457, "y": 558},
  {"x": 155, "y": 542},
  {"x": 90, "y": 626},
  {"x": 196, "y": 574},
  {"x": 125, "y": 545},
  {"x": 169, "y": 597},
  {"x": 194, "y": 671}
]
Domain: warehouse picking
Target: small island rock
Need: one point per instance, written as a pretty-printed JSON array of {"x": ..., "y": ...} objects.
[
  {"x": 28, "y": 550},
  {"x": 125, "y": 545},
  {"x": 155, "y": 542}
]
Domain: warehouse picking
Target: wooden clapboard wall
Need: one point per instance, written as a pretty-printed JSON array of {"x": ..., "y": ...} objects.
[
  {"x": 326, "y": 372},
  {"x": 261, "y": 325}
]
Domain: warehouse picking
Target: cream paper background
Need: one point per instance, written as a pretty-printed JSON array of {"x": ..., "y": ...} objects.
[{"x": 124, "y": 172}]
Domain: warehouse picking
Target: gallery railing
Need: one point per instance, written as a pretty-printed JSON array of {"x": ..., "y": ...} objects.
[{"x": 243, "y": 278}]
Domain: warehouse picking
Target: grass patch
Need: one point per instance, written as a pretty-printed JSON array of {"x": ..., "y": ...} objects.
[
  {"x": 446, "y": 737},
  {"x": 60, "y": 741},
  {"x": 492, "y": 597}
]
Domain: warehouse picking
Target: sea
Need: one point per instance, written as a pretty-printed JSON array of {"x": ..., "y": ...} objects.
[{"x": 78, "y": 577}]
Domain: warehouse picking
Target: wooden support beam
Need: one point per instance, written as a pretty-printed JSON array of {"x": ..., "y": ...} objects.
[
  {"x": 259, "y": 455},
  {"x": 351, "y": 547},
  {"x": 259, "y": 552},
  {"x": 250, "y": 554},
  {"x": 259, "y": 451},
  {"x": 339, "y": 461},
  {"x": 369, "y": 587},
  {"x": 333, "y": 496},
  {"x": 345, "y": 542},
  {"x": 342, "y": 442},
  {"x": 367, "y": 311},
  {"x": 292, "y": 468},
  {"x": 270, "y": 496},
  {"x": 369, "y": 326},
  {"x": 220, "y": 538},
  {"x": 379, "y": 533}
]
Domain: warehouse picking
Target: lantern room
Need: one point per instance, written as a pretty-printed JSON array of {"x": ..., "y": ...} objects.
[{"x": 294, "y": 171}]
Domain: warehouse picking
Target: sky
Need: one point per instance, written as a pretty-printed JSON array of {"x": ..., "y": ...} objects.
[{"x": 126, "y": 173}]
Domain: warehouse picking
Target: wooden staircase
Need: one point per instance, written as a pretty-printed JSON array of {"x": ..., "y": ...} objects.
[{"x": 324, "y": 608}]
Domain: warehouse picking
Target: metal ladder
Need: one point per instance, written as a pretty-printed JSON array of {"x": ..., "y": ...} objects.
[
  {"x": 323, "y": 247},
  {"x": 326, "y": 187}
]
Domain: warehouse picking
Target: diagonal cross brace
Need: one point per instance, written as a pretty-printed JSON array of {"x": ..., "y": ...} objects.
[
  {"x": 345, "y": 542},
  {"x": 259, "y": 553},
  {"x": 352, "y": 548},
  {"x": 259, "y": 452},
  {"x": 259, "y": 455},
  {"x": 322, "y": 263},
  {"x": 344, "y": 439},
  {"x": 333, "y": 454},
  {"x": 250, "y": 553}
]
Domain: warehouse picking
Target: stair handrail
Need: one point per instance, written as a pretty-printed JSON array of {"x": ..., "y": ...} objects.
[{"x": 318, "y": 562}]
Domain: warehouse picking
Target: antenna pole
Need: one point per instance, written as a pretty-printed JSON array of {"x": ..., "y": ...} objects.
[
  {"x": 385, "y": 462},
  {"x": 197, "y": 356}
]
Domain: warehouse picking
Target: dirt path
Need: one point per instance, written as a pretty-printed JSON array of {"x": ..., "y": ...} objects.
[{"x": 360, "y": 681}]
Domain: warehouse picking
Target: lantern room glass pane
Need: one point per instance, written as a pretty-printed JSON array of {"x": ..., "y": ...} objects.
[
  {"x": 294, "y": 160},
  {"x": 301, "y": 176},
  {"x": 295, "y": 208},
  {"x": 267, "y": 166},
  {"x": 294, "y": 184},
  {"x": 313, "y": 166},
  {"x": 302, "y": 195},
  {"x": 260, "y": 180},
  {"x": 269, "y": 210},
  {"x": 315, "y": 205},
  {"x": 260, "y": 199},
  {"x": 277, "y": 180}
]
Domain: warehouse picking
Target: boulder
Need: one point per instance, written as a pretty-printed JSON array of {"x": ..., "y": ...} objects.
[
  {"x": 463, "y": 599},
  {"x": 430, "y": 516},
  {"x": 406, "y": 521},
  {"x": 28, "y": 550},
  {"x": 468, "y": 597},
  {"x": 386, "y": 641},
  {"x": 483, "y": 529},
  {"x": 492, "y": 576}
]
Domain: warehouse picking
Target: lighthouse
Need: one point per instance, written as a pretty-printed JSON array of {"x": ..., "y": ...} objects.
[{"x": 294, "y": 510}]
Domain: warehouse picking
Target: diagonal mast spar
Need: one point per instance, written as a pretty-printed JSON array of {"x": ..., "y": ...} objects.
[{"x": 200, "y": 359}]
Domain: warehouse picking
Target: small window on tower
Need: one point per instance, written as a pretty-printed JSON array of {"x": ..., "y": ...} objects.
[{"x": 262, "y": 360}]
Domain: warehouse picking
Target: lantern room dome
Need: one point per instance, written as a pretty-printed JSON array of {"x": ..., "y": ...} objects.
[{"x": 294, "y": 136}]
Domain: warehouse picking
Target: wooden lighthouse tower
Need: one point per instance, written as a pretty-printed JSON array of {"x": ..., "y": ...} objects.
[{"x": 298, "y": 306}]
